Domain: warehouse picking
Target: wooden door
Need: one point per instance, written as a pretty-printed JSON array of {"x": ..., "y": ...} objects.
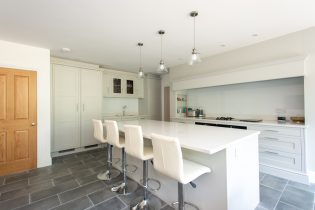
[
  {"x": 91, "y": 104},
  {"x": 66, "y": 126},
  {"x": 18, "y": 120}
]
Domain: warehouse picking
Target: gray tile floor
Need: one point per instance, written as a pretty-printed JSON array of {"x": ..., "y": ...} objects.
[
  {"x": 281, "y": 194},
  {"x": 71, "y": 183}
]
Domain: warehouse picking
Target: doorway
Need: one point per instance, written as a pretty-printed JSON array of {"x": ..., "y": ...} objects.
[{"x": 167, "y": 104}]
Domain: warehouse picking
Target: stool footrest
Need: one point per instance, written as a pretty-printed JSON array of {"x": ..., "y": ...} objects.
[{"x": 149, "y": 187}]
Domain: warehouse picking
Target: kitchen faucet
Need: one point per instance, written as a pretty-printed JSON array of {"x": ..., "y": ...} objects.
[{"x": 124, "y": 110}]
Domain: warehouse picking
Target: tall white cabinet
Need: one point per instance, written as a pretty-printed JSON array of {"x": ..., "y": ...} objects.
[{"x": 77, "y": 99}]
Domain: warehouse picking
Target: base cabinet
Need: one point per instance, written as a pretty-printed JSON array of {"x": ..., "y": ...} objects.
[{"x": 77, "y": 99}]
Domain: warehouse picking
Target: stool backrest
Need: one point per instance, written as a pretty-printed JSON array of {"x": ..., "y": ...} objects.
[
  {"x": 167, "y": 155},
  {"x": 98, "y": 130},
  {"x": 112, "y": 132},
  {"x": 134, "y": 141}
]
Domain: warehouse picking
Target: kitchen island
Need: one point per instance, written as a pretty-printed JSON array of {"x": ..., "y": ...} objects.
[{"x": 231, "y": 154}]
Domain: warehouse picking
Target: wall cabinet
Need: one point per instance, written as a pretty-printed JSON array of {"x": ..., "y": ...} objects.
[
  {"x": 122, "y": 85},
  {"x": 77, "y": 99}
]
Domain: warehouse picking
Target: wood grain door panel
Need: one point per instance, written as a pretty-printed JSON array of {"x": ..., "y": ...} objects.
[
  {"x": 21, "y": 97},
  {"x": 18, "y": 119},
  {"x": 3, "y": 96}
]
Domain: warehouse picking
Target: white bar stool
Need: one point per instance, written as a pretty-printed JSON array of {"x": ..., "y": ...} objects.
[
  {"x": 110, "y": 173},
  {"x": 134, "y": 146},
  {"x": 114, "y": 139},
  {"x": 168, "y": 160}
]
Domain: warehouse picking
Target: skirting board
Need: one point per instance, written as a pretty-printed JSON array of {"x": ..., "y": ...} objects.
[
  {"x": 75, "y": 150},
  {"x": 291, "y": 175},
  {"x": 311, "y": 176}
]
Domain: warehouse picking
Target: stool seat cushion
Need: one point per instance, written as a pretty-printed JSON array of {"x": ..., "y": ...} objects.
[
  {"x": 192, "y": 171},
  {"x": 147, "y": 152}
]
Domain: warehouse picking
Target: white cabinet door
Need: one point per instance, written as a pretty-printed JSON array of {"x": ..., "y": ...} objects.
[
  {"x": 117, "y": 86},
  {"x": 91, "y": 104},
  {"x": 66, "y": 108},
  {"x": 107, "y": 85}
]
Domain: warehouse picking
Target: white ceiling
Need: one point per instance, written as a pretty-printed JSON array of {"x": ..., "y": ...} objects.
[{"x": 106, "y": 32}]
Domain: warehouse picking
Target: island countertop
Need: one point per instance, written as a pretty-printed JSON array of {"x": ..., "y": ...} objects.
[{"x": 203, "y": 139}]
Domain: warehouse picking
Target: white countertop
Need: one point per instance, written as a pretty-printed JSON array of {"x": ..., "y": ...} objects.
[
  {"x": 198, "y": 138},
  {"x": 235, "y": 122}
]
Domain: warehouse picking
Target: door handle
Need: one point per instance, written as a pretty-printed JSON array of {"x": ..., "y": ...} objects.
[{"x": 33, "y": 124}]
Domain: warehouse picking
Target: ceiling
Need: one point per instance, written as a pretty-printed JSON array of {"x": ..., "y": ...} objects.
[{"x": 106, "y": 32}]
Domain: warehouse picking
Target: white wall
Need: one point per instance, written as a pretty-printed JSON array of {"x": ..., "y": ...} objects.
[
  {"x": 113, "y": 106},
  {"x": 263, "y": 100},
  {"x": 19, "y": 56},
  {"x": 300, "y": 43}
]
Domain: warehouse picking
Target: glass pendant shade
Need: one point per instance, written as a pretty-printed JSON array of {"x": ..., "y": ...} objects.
[
  {"x": 161, "y": 68},
  {"x": 194, "y": 58},
  {"x": 140, "y": 74}
]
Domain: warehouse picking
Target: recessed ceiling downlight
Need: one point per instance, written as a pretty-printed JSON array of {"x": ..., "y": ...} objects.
[{"x": 65, "y": 49}]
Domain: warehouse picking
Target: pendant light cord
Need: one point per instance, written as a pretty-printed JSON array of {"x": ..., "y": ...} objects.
[
  {"x": 194, "y": 32},
  {"x": 140, "y": 58},
  {"x": 161, "y": 46}
]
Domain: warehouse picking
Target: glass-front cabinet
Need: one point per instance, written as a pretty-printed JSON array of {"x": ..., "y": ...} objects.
[
  {"x": 130, "y": 87},
  {"x": 120, "y": 85},
  {"x": 117, "y": 88}
]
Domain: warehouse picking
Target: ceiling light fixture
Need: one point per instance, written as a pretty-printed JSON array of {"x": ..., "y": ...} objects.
[
  {"x": 162, "y": 68},
  {"x": 140, "y": 74},
  {"x": 195, "y": 56}
]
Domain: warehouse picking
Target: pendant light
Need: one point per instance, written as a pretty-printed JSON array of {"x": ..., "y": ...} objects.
[
  {"x": 140, "y": 74},
  {"x": 162, "y": 68},
  {"x": 195, "y": 56}
]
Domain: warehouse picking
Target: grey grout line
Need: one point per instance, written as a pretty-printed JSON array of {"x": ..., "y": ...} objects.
[
  {"x": 286, "y": 184},
  {"x": 117, "y": 196},
  {"x": 290, "y": 205},
  {"x": 271, "y": 187}
]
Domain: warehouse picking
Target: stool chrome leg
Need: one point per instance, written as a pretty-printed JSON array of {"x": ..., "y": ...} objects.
[
  {"x": 125, "y": 187},
  {"x": 181, "y": 203},
  {"x": 147, "y": 203},
  {"x": 110, "y": 173}
]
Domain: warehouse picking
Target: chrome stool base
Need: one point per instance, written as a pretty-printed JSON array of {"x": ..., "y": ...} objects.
[
  {"x": 192, "y": 206},
  {"x": 125, "y": 189},
  {"x": 151, "y": 203},
  {"x": 108, "y": 175}
]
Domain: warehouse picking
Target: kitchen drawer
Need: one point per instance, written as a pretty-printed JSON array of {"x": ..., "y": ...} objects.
[
  {"x": 277, "y": 130},
  {"x": 281, "y": 143},
  {"x": 280, "y": 159}
]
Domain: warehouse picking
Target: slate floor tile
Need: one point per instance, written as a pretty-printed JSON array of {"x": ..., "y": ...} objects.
[
  {"x": 1, "y": 181},
  {"x": 261, "y": 176},
  {"x": 268, "y": 197},
  {"x": 111, "y": 204},
  {"x": 47, "y": 203},
  {"x": 167, "y": 208},
  {"x": 259, "y": 207},
  {"x": 26, "y": 190},
  {"x": 14, "y": 203},
  {"x": 298, "y": 198},
  {"x": 87, "y": 179},
  {"x": 284, "y": 206},
  {"x": 309, "y": 188},
  {"x": 54, "y": 190},
  {"x": 78, "y": 204},
  {"x": 274, "y": 182},
  {"x": 41, "y": 178},
  {"x": 81, "y": 191},
  {"x": 13, "y": 186},
  {"x": 101, "y": 195},
  {"x": 17, "y": 177},
  {"x": 79, "y": 174}
]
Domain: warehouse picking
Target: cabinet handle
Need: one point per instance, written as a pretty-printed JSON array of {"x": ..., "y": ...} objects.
[
  {"x": 269, "y": 138},
  {"x": 271, "y": 153},
  {"x": 274, "y": 131}
]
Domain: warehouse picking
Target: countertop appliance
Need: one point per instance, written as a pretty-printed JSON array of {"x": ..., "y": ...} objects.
[{"x": 222, "y": 125}]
